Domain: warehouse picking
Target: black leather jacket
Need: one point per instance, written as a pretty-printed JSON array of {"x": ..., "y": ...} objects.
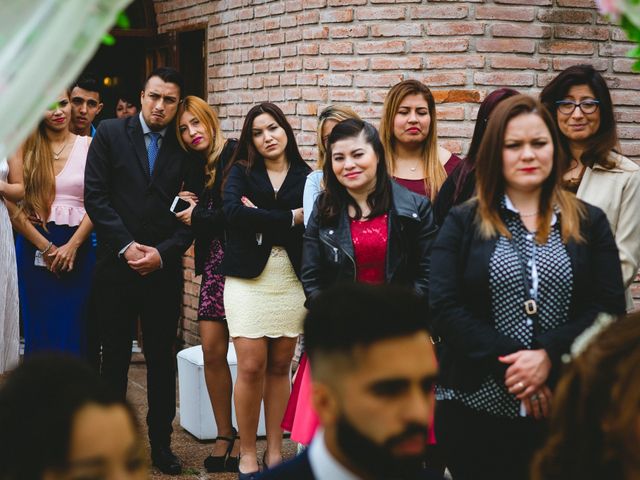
[{"x": 328, "y": 255}]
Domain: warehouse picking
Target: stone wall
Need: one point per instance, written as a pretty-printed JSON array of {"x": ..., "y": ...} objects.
[{"x": 306, "y": 54}]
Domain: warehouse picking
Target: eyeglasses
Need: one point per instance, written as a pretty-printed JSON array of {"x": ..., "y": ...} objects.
[{"x": 586, "y": 106}]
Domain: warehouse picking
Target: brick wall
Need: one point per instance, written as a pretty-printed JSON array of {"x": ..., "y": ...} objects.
[{"x": 306, "y": 54}]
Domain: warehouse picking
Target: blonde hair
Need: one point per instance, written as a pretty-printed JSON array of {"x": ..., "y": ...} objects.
[
  {"x": 39, "y": 175},
  {"x": 337, "y": 113},
  {"x": 207, "y": 116},
  {"x": 490, "y": 182},
  {"x": 434, "y": 172}
]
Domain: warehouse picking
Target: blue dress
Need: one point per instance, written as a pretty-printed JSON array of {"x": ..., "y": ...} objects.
[{"x": 54, "y": 309}]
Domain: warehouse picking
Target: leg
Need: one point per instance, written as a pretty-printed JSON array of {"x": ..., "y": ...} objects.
[
  {"x": 159, "y": 318},
  {"x": 115, "y": 308},
  {"x": 252, "y": 362},
  {"x": 215, "y": 345},
  {"x": 276, "y": 393}
]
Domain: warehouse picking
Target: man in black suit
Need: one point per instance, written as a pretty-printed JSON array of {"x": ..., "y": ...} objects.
[
  {"x": 373, "y": 369},
  {"x": 135, "y": 168}
]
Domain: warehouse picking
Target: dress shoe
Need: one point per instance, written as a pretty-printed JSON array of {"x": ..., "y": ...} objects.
[{"x": 166, "y": 461}]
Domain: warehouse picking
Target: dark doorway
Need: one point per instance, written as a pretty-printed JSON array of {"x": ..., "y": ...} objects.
[{"x": 192, "y": 56}]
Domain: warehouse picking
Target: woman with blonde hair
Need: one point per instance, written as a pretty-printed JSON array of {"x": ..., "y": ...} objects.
[
  {"x": 329, "y": 118},
  {"x": 199, "y": 132},
  {"x": 54, "y": 254},
  {"x": 516, "y": 275},
  {"x": 408, "y": 130}
]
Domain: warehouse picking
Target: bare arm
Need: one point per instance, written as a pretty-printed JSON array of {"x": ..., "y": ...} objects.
[{"x": 13, "y": 188}]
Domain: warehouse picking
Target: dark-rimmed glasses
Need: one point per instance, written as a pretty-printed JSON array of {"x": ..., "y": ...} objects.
[{"x": 568, "y": 106}]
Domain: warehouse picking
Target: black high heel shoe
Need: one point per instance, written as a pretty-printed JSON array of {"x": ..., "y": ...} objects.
[{"x": 223, "y": 463}]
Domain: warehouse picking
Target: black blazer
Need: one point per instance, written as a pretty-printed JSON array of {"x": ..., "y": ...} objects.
[
  {"x": 299, "y": 468},
  {"x": 460, "y": 298},
  {"x": 209, "y": 223},
  {"x": 243, "y": 256},
  {"x": 127, "y": 204},
  {"x": 328, "y": 256}
]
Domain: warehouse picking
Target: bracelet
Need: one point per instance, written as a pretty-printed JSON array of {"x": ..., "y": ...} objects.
[{"x": 47, "y": 249}]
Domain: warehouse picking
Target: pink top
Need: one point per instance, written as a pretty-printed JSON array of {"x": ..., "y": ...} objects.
[
  {"x": 68, "y": 205},
  {"x": 417, "y": 186},
  {"x": 370, "y": 247}
]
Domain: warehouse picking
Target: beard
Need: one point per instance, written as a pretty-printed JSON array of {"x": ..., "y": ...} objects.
[{"x": 377, "y": 459}]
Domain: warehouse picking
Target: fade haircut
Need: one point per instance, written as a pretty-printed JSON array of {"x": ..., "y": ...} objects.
[
  {"x": 349, "y": 317},
  {"x": 90, "y": 83},
  {"x": 167, "y": 75}
]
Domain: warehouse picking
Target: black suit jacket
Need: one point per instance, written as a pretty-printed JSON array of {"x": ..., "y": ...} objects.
[
  {"x": 126, "y": 203},
  {"x": 243, "y": 256},
  {"x": 460, "y": 297},
  {"x": 299, "y": 468}
]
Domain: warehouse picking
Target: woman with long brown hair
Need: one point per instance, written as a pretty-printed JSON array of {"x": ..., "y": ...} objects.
[
  {"x": 55, "y": 256},
  {"x": 409, "y": 133},
  {"x": 198, "y": 131},
  {"x": 516, "y": 275}
]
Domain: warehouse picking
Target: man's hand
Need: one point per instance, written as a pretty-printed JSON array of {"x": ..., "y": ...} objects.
[
  {"x": 133, "y": 252},
  {"x": 150, "y": 261}
]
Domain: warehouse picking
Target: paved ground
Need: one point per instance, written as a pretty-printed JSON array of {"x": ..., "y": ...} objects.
[{"x": 191, "y": 451}]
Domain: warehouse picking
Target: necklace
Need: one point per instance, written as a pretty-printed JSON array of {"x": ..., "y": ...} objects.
[
  {"x": 530, "y": 214},
  {"x": 56, "y": 155}
]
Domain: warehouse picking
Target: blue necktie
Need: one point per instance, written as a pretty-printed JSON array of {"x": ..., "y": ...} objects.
[{"x": 152, "y": 151}]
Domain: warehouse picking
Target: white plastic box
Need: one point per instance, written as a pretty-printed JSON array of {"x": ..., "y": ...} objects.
[{"x": 196, "y": 414}]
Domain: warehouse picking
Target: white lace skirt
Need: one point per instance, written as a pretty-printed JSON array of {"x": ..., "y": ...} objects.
[{"x": 270, "y": 305}]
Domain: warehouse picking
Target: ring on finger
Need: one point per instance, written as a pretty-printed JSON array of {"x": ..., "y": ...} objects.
[{"x": 521, "y": 386}]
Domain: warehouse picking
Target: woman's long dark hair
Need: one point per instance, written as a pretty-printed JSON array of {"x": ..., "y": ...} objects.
[
  {"x": 606, "y": 138},
  {"x": 468, "y": 165},
  {"x": 247, "y": 155},
  {"x": 335, "y": 198}
]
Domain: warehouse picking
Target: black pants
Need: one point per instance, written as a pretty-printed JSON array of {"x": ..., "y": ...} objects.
[
  {"x": 156, "y": 300},
  {"x": 479, "y": 446}
]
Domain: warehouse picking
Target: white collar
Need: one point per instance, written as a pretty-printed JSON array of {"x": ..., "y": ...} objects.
[
  {"x": 146, "y": 129},
  {"x": 508, "y": 204},
  {"x": 323, "y": 465}
]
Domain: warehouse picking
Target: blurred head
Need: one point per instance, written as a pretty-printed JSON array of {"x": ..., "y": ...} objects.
[
  {"x": 595, "y": 422},
  {"x": 581, "y": 105},
  {"x": 86, "y": 103},
  {"x": 59, "y": 421},
  {"x": 328, "y": 119},
  {"x": 519, "y": 151},
  {"x": 374, "y": 405},
  {"x": 160, "y": 97},
  {"x": 355, "y": 165},
  {"x": 198, "y": 130},
  {"x": 267, "y": 135},
  {"x": 409, "y": 119},
  {"x": 128, "y": 104}
]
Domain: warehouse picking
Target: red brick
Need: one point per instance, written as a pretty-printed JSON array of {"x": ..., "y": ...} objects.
[
  {"x": 618, "y": 35},
  {"x": 526, "y": 2},
  {"x": 625, "y": 97},
  {"x": 577, "y": 3},
  {"x": 306, "y": 18},
  {"x": 369, "y": 112},
  {"x": 519, "y": 63},
  {"x": 272, "y": 24},
  {"x": 564, "y": 47},
  {"x": 336, "y": 48},
  {"x": 320, "y": 63},
  {"x": 335, "y": 80},
  {"x": 307, "y": 79},
  {"x": 628, "y": 116},
  {"x": 255, "y": 82},
  {"x": 631, "y": 149},
  {"x": 315, "y": 33},
  {"x": 623, "y": 81},
  {"x": 581, "y": 33},
  {"x": 293, "y": 94},
  {"x": 344, "y": 3},
  {"x": 455, "y": 129},
  {"x": 294, "y": 64},
  {"x": 455, "y": 61},
  {"x": 454, "y": 146},
  {"x": 613, "y": 49},
  {"x": 288, "y": 51},
  {"x": 347, "y": 95},
  {"x": 396, "y": 63},
  {"x": 314, "y": 94},
  {"x": 308, "y": 49},
  {"x": 314, "y": 3},
  {"x": 445, "y": 79},
  {"x": 396, "y": 30},
  {"x": 276, "y": 65},
  {"x": 518, "y": 79},
  {"x": 377, "y": 80},
  {"x": 440, "y": 45},
  {"x": 380, "y": 13},
  {"x": 440, "y": 11},
  {"x": 352, "y": 31},
  {"x": 336, "y": 16},
  {"x": 555, "y": 15},
  {"x": 623, "y": 65},
  {"x": 383, "y": 46},
  {"x": 518, "y": 14},
  {"x": 451, "y": 112},
  {"x": 504, "y": 45},
  {"x": 338, "y": 64},
  {"x": 457, "y": 96},
  {"x": 561, "y": 63},
  {"x": 519, "y": 30},
  {"x": 455, "y": 28}
]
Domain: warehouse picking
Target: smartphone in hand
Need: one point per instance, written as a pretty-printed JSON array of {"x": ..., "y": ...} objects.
[{"x": 179, "y": 205}]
